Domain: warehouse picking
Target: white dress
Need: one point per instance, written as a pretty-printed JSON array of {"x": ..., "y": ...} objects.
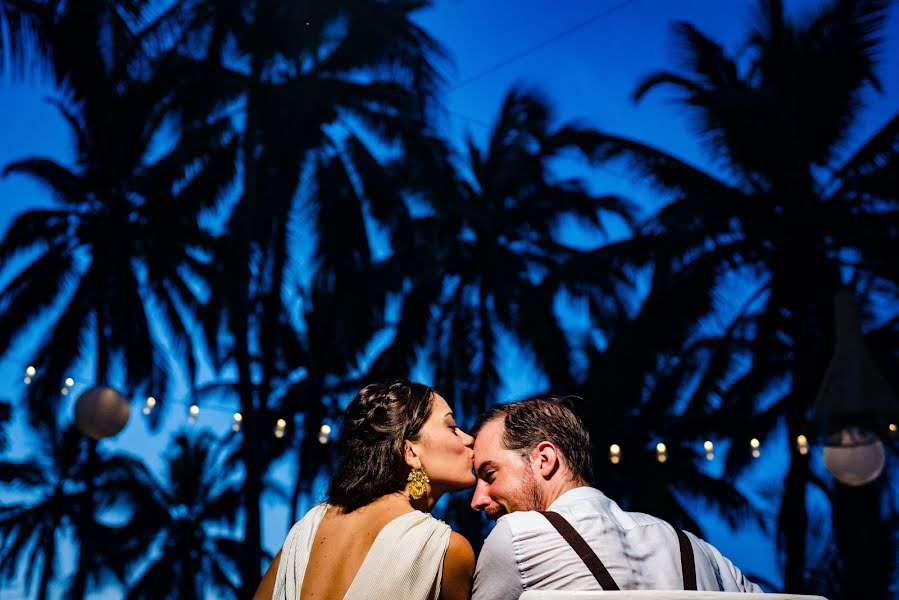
[{"x": 405, "y": 560}]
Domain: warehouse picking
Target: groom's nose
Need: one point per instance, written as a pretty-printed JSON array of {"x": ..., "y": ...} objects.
[{"x": 480, "y": 500}]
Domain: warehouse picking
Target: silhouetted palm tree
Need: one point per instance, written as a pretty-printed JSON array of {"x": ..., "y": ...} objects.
[
  {"x": 305, "y": 79},
  {"x": 123, "y": 235},
  {"x": 786, "y": 220},
  {"x": 125, "y": 231},
  {"x": 51, "y": 516},
  {"x": 179, "y": 532},
  {"x": 486, "y": 260},
  {"x": 72, "y": 41}
]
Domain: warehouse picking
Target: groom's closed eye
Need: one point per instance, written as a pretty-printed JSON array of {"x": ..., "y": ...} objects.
[{"x": 486, "y": 471}]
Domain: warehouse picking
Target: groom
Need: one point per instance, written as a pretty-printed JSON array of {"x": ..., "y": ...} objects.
[{"x": 555, "y": 532}]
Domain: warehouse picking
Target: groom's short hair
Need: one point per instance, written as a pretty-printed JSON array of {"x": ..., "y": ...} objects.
[{"x": 526, "y": 423}]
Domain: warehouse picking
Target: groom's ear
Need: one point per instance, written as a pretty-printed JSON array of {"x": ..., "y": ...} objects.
[{"x": 547, "y": 459}]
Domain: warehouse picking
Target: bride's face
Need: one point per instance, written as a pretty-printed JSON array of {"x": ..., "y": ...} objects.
[{"x": 445, "y": 450}]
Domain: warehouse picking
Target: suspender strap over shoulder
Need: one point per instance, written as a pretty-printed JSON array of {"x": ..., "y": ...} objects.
[
  {"x": 599, "y": 571},
  {"x": 687, "y": 561},
  {"x": 584, "y": 551}
]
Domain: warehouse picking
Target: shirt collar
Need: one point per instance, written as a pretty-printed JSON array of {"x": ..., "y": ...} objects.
[{"x": 573, "y": 495}]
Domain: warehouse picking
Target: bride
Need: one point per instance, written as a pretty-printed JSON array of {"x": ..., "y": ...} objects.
[{"x": 400, "y": 450}]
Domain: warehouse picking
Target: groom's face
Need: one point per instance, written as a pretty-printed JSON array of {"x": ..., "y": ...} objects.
[{"x": 506, "y": 482}]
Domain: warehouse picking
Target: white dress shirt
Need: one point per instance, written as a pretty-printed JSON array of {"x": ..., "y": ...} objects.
[{"x": 525, "y": 552}]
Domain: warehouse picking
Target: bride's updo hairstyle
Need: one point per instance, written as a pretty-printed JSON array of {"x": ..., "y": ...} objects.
[{"x": 371, "y": 445}]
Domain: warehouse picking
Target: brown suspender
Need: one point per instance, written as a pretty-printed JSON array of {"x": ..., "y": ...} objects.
[
  {"x": 586, "y": 553},
  {"x": 599, "y": 571},
  {"x": 687, "y": 562}
]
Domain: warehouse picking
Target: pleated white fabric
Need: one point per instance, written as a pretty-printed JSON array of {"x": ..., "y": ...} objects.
[{"x": 405, "y": 560}]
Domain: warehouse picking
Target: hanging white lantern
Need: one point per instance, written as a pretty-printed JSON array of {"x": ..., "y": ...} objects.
[
  {"x": 854, "y": 456},
  {"x": 854, "y": 402},
  {"x": 101, "y": 412}
]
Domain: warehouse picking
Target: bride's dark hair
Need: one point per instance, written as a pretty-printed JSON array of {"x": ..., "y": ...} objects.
[{"x": 370, "y": 447}]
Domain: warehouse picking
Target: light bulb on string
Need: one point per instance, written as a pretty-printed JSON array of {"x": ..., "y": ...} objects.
[
  {"x": 802, "y": 444},
  {"x": 661, "y": 452},
  {"x": 194, "y": 413},
  {"x": 754, "y": 444},
  {"x": 30, "y": 371},
  {"x": 324, "y": 433},
  {"x": 148, "y": 407},
  {"x": 279, "y": 428},
  {"x": 238, "y": 419},
  {"x": 615, "y": 454},
  {"x": 69, "y": 382},
  {"x": 709, "y": 450}
]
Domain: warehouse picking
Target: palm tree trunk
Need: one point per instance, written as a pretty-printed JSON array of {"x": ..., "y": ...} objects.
[
  {"x": 86, "y": 526},
  {"x": 47, "y": 568},
  {"x": 867, "y": 542},
  {"x": 794, "y": 519},
  {"x": 89, "y": 506},
  {"x": 251, "y": 558}
]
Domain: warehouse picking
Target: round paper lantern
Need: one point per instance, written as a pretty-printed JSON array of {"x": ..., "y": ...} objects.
[
  {"x": 101, "y": 412},
  {"x": 854, "y": 456}
]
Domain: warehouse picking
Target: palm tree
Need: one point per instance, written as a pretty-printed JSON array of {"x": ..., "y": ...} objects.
[
  {"x": 486, "y": 261},
  {"x": 179, "y": 531},
  {"x": 33, "y": 530},
  {"x": 124, "y": 231},
  {"x": 789, "y": 218},
  {"x": 73, "y": 42},
  {"x": 307, "y": 79}
]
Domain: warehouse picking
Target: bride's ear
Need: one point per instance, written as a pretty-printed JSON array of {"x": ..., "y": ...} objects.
[{"x": 411, "y": 454}]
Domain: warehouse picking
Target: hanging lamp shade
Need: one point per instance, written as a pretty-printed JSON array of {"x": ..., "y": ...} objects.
[
  {"x": 854, "y": 403},
  {"x": 101, "y": 412}
]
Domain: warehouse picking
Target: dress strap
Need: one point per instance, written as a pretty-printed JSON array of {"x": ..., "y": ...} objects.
[{"x": 584, "y": 551}]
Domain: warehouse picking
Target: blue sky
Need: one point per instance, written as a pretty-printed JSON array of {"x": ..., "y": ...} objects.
[{"x": 589, "y": 74}]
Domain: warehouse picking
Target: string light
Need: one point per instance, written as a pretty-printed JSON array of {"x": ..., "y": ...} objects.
[
  {"x": 709, "y": 450},
  {"x": 802, "y": 444},
  {"x": 661, "y": 452},
  {"x": 615, "y": 454},
  {"x": 893, "y": 427},
  {"x": 325, "y": 430}
]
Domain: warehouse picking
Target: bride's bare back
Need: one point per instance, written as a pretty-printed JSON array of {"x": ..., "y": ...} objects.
[{"x": 341, "y": 544}]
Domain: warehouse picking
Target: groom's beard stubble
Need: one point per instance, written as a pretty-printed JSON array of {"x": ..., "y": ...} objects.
[{"x": 527, "y": 497}]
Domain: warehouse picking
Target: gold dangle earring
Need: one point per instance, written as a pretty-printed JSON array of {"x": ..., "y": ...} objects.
[{"x": 417, "y": 480}]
